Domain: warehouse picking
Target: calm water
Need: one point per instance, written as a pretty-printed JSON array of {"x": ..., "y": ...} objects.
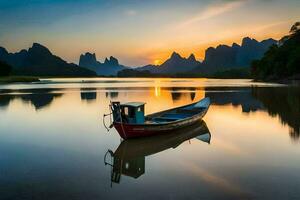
[{"x": 53, "y": 143}]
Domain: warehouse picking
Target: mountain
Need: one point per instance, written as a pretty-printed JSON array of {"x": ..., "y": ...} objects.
[
  {"x": 178, "y": 64},
  {"x": 175, "y": 64},
  {"x": 39, "y": 61},
  {"x": 150, "y": 68},
  {"x": 5, "y": 69},
  {"x": 225, "y": 57},
  {"x": 280, "y": 61},
  {"x": 110, "y": 66},
  {"x": 221, "y": 58}
]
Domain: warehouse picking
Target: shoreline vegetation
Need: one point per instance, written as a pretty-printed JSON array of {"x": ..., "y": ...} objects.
[
  {"x": 282, "y": 61},
  {"x": 237, "y": 73},
  {"x": 294, "y": 80}
]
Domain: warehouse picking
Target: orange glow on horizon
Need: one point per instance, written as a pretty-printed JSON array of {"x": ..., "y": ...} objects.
[
  {"x": 157, "y": 62},
  {"x": 160, "y": 55}
]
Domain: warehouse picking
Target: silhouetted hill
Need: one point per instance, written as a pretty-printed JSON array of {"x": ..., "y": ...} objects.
[
  {"x": 5, "y": 69},
  {"x": 280, "y": 61},
  {"x": 225, "y": 57},
  {"x": 39, "y": 61},
  {"x": 150, "y": 68},
  {"x": 110, "y": 66},
  {"x": 219, "y": 59},
  {"x": 175, "y": 64}
]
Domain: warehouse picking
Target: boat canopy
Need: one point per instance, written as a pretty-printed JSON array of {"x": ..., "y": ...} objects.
[
  {"x": 133, "y": 112},
  {"x": 133, "y": 104}
]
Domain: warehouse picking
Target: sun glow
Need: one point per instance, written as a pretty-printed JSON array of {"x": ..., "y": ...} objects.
[{"x": 157, "y": 62}]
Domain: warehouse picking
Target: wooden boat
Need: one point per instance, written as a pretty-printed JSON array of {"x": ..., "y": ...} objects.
[
  {"x": 129, "y": 158},
  {"x": 130, "y": 121}
]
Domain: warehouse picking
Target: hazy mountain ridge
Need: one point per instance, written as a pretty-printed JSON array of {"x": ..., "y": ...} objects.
[
  {"x": 110, "y": 66},
  {"x": 175, "y": 64},
  {"x": 223, "y": 57},
  {"x": 39, "y": 61}
]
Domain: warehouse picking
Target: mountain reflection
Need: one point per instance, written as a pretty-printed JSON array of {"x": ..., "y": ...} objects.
[
  {"x": 129, "y": 158},
  {"x": 39, "y": 99},
  {"x": 242, "y": 97},
  {"x": 284, "y": 102},
  {"x": 112, "y": 95},
  {"x": 176, "y": 96},
  {"x": 193, "y": 95},
  {"x": 178, "y": 92},
  {"x": 281, "y": 101},
  {"x": 4, "y": 100},
  {"x": 88, "y": 94}
]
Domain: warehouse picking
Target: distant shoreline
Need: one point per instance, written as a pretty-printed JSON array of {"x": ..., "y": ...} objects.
[
  {"x": 32, "y": 79},
  {"x": 18, "y": 79}
]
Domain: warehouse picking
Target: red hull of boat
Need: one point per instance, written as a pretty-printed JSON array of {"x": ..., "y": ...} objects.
[
  {"x": 127, "y": 131},
  {"x": 131, "y": 131}
]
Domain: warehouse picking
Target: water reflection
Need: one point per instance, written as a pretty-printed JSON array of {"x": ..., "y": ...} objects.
[
  {"x": 4, "y": 100},
  {"x": 129, "y": 158},
  {"x": 176, "y": 96},
  {"x": 178, "y": 92},
  {"x": 88, "y": 94},
  {"x": 276, "y": 101},
  {"x": 45, "y": 153},
  {"x": 193, "y": 94},
  {"x": 112, "y": 95},
  {"x": 39, "y": 99},
  {"x": 284, "y": 102},
  {"x": 237, "y": 97}
]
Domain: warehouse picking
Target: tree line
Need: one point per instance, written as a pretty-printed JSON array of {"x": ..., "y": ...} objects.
[
  {"x": 282, "y": 60},
  {"x": 5, "y": 69}
]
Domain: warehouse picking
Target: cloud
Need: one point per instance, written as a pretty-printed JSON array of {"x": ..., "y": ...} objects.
[{"x": 214, "y": 10}]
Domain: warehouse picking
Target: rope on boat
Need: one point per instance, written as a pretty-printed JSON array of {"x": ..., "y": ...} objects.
[
  {"x": 107, "y": 128},
  {"x": 105, "y": 115},
  {"x": 111, "y": 123}
]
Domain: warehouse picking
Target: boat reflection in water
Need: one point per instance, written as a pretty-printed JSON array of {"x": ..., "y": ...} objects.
[{"x": 129, "y": 158}]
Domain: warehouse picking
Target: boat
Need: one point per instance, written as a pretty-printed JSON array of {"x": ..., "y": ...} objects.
[
  {"x": 130, "y": 121},
  {"x": 129, "y": 158}
]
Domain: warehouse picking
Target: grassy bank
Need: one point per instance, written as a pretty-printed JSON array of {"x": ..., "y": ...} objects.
[{"x": 18, "y": 79}]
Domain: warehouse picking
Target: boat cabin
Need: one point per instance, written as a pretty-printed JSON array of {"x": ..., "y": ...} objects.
[{"x": 132, "y": 112}]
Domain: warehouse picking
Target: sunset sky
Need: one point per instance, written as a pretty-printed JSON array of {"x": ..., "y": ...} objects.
[{"x": 140, "y": 32}]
